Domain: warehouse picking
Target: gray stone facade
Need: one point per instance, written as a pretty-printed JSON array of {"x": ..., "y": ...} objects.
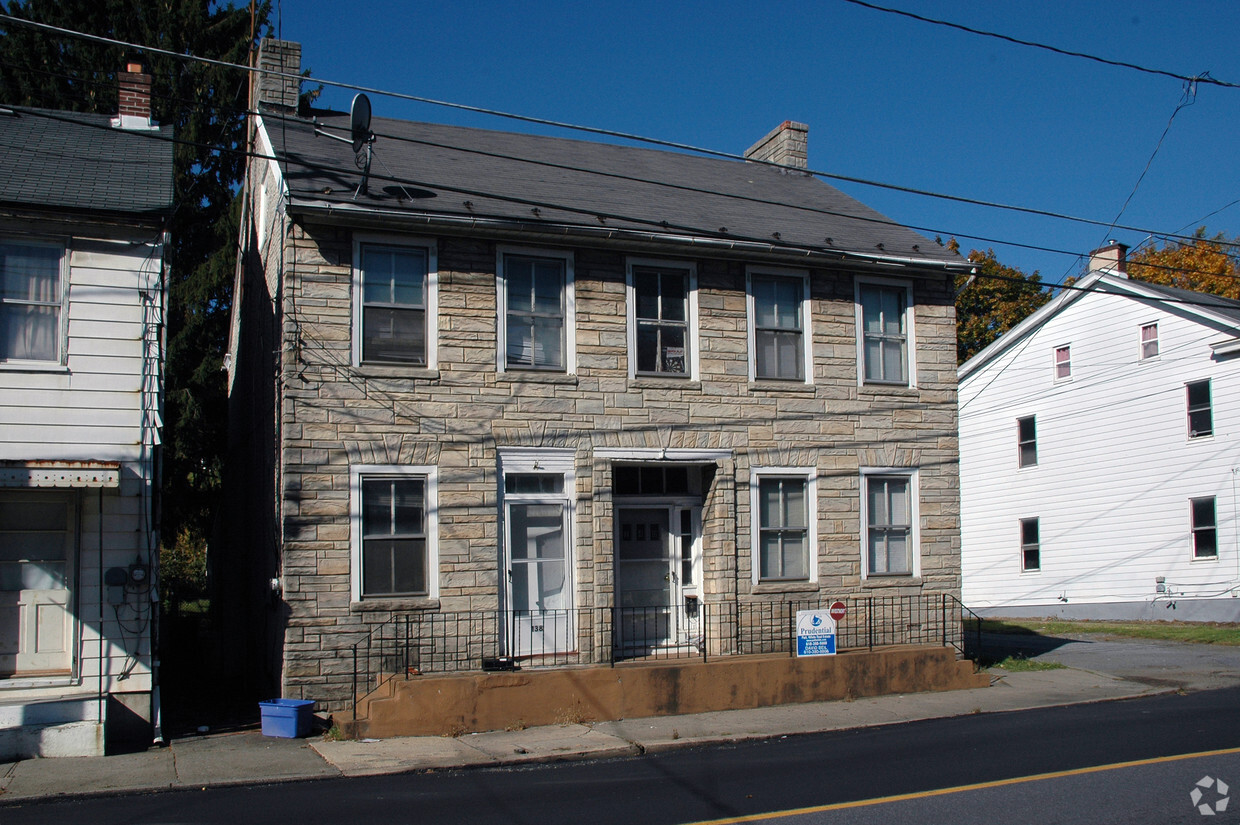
[{"x": 334, "y": 415}]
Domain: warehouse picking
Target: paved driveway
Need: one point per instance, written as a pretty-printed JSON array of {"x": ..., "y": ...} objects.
[{"x": 1169, "y": 664}]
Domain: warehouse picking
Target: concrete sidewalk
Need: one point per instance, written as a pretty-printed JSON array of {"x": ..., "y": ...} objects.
[{"x": 248, "y": 757}]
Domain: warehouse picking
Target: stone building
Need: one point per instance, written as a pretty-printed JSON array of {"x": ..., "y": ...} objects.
[{"x": 505, "y": 400}]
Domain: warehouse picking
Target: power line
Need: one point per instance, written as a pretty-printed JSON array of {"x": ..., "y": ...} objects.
[
  {"x": 685, "y": 147},
  {"x": 1201, "y": 78}
]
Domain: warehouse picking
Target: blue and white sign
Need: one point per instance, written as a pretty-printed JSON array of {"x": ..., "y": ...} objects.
[{"x": 815, "y": 633}]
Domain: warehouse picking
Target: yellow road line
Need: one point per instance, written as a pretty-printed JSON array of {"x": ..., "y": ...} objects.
[{"x": 998, "y": 783}]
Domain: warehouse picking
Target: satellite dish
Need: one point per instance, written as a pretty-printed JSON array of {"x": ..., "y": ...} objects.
[{"x": 359, "y": 121}]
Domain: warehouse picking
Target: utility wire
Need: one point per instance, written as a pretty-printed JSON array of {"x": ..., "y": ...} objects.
[
  {"x": 1201, "y": 78},
  {"x": 586, "y": 129}
]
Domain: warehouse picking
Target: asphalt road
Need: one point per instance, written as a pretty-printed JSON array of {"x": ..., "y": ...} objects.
[{"x": 794, "y": 772}]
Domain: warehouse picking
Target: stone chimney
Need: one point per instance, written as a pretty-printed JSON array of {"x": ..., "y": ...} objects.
[
  {"x": 1111, "y": 258},
  {"x": 134, "y": 106},
  {"x": 272, "y": 91},
  {"x": 787, "y": 145}
]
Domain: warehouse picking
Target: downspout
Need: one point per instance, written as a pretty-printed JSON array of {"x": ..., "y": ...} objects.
[{"x": 102, "y": 594}]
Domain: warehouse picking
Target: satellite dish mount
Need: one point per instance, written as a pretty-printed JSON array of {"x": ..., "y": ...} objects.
[{"x": 363, "y": 139}]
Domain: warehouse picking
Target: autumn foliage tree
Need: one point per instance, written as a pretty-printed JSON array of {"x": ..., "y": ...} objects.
[
  {"x": 1202, "y": 264},
  {"x": 991, "y": 302}
]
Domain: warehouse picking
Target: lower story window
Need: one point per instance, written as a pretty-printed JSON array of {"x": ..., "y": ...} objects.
[
  {"x": 889, "y": 524},
  {"x": 783, "y": 507},
  {"x": 1205, "y": 529},
  {"x": 393, "y": 522},
  {"x": 1030, "y": 546}
]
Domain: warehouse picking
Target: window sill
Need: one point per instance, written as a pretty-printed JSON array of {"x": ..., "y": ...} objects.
[
  {"x": 877, "y": 581},
  {"x": 34, "y": 366},
  {"x": 888, "y": 389},
  {"x": 533, "y": 377},
  {"x": 782, "y": 387},
  {"x": 1204, "y": 559},
  {"x": 394, "y": 605},
  {"x": 410, "y": 372},
  {"x": 764, "y": 588},
  {"x": 655, "y": 382},
  {"x": 1195, "y": 439}
]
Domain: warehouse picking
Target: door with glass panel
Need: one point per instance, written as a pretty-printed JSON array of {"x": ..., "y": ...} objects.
[
  {"x": 648, "y": 591},
  {"x": 539, "y": 617},
  {"x": 37, "y": 531}
]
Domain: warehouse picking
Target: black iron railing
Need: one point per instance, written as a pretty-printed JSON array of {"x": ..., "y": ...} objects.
[{"x": 417, "y": 643}]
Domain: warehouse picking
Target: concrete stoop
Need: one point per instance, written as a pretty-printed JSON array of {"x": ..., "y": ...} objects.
[
  {"x": 474, "y": 702},
  {"x": 51, "y": 728}
]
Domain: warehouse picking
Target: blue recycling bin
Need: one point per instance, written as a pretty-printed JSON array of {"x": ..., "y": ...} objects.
[{"x": 286, "y": 718}]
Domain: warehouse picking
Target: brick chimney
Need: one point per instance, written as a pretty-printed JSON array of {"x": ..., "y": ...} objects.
[
  {"x": 273, "y": 91},
  {"x": 1111, "y": 258},
  {"x": 787, "y": 145},
  {"x": 134, "y": 106}
]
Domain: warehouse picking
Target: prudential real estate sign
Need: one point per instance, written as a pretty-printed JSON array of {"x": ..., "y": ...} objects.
[{"x": 815, "y": 633}]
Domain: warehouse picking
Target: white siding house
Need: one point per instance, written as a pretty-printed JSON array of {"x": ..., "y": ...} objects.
[
  {"x": 83, "y": 207},
  {"x": 1098, "y": 452}
]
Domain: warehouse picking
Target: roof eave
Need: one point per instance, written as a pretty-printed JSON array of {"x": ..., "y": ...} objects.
[{"x": 548, "y": 231}]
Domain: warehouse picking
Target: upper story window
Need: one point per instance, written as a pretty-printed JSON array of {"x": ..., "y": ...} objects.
[
  {"x": 536, "y": 299},
  {"x": 885, "y": 326},
  {"x": 1027, "y": 441},
  {"x": 1149, "y": 341},
  {"x": 32, "y": 298},
  {"x": 1030, "y": 545},
  {"x": 1200, "y": 410},
  {"x": 779, "y": 321},
  {"x": 1205, "y": 528},
  {"x": 662, "y": 322},
  {"x": 889, "y": 502},
  {"x": 1063, "y": 362},
  {"x": 394, "y": 531},
  {"x": 783, "y": 508},
  {"x": 394, "y": 303}
]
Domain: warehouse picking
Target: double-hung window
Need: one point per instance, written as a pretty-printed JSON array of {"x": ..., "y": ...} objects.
[
  {"x": 890, "y": 521},
  {"x": 1200, "y": 410},
  {"x": 32, "y": 295},
  {"x": 536, "y": 300},
  {"x": 661, "y": 319},
  {"x": 1030, "y": 546},
  {"x": 394, "y": 304},
  {"x": 1063, "y": 362},
  {"x": 1205, "y": 528},
  {"x": 394, "y": 532},
  {"x": 1149, "y": 341},
  {"x": 784, "y": 516},
  {"x": 1027, "y": 441},
  {"x": 780, "y": 324},
  {"x": 884, "y": 325}
]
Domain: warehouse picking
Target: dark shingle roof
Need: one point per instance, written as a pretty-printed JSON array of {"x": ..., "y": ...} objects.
[
  {"x": 1223, "y": 306},
  {"x": 450, "y": 171},
  {"x": 78, "y": 161}
]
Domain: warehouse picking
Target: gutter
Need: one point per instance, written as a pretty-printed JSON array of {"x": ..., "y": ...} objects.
[{"x": 364, "y": 216}]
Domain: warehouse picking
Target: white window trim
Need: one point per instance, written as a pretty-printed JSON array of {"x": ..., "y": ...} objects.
[
  {"x": 910, "y": 331},
  {"x": 1188, "y": 431},
  {"x": 1141, "y": 341},
  {"x": 501, "y": 307},
  {"x": 691, "y": 326},
  {"x": 1055, "y": 377},
  {"x": 62, "y": 320},
  {"x": 807, "y": 349},
  {"x": 914, "y": 516},
  {"x": 361, "y": 239},
  {"x": 1192, "y": 533},
  {"x": 1020, "y": 544},
  {"x": 359, "y": 471},
  {"x": 810, "y": 474},
  {"x": 517, "y": 460}
]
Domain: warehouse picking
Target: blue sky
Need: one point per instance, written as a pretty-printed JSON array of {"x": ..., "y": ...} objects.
[{"x": 886, "y": 98}]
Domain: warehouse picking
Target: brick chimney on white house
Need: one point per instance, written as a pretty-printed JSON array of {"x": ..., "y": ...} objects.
[
  {"x": 278, "y": 84},
  {"x": 1111, "y": 258},
  {"x": 787, "y": 145},
  {"x": 134, "y": 106}
]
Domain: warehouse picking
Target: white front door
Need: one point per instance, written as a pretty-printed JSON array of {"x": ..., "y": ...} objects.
[
  {"x": 540, "y": 597},
  {"x": 647, "y": 580},
  {"x": 37, "y": 531}
]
